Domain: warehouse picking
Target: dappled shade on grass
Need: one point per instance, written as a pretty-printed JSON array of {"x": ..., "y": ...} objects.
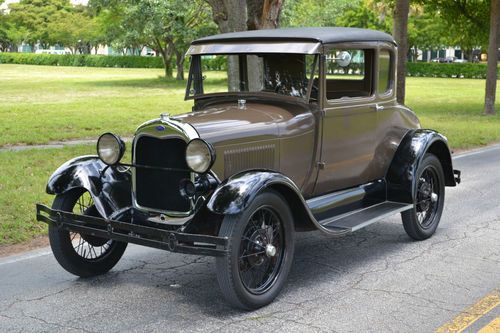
[{"x": 39, "y": 104}]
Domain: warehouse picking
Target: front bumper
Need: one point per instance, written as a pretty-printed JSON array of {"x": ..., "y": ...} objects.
[
  {"x": 457, "y": 175},
  {"x": 173, "y": 241}
]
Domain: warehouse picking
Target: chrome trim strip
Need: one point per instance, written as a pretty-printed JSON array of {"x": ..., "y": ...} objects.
[{"x": 270, "y": 47}]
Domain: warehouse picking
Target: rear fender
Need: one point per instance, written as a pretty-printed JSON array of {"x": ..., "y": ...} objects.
[
  {"x": 401, "y": 176},
  {"x": 109, "y": 187}
]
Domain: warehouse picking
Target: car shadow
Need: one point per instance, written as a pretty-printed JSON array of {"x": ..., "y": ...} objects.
[{"x": 318, "y": 259}]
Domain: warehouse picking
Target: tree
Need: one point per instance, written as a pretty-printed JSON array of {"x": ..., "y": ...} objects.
[
  {"x": 491, "y": 75},
  {"x": 367, "y": 14},
  {"x": 29, "y": 19},
  {"x": 5, "y": 41},
  {"x": 75, "y": 30},
  {"x": 167, "y": 26},
  {"x": 400, "y": 33},
  {"x": 315, "y": 13},
  {"x": 241, "y": 15},
  {"x": 466, "y": 21}
]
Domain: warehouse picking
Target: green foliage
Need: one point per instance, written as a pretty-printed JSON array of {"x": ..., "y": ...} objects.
[
  {"x": 215, "y": 64},
  {"x": 32, "y": 19},
  {"x": 80, "y": 60},
  {"x": 453, "y": 70},
  {"x": 314, "y": 13},
  {"x": 466, "y": 21},
  {"x": 368, "y": 14},
  {"x": 167, "y": 26},
  {"x": 74, "y": 29},
  {"x": 50, "y": 22}
]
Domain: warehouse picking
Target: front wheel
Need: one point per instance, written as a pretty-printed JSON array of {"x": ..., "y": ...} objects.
[
  {"x": 260, "y": 252},
  {"x": 421, "y": 221},
  {"x": 80, "y": 254}
]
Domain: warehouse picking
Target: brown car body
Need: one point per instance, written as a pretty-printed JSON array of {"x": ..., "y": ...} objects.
[{"x": 323, "y": 152}]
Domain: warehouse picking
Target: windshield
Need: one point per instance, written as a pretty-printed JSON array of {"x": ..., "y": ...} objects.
[{"x": 277, "y": 73}]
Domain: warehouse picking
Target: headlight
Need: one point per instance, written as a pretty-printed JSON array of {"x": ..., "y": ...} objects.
[
  {"x": 110, "y": 148},
  {"x": 200, "y": 155}
]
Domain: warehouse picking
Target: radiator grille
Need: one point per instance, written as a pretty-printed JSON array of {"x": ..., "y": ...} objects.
[
  {"x": 239, "y": 159},
  {"x": 159, "y": 189}
]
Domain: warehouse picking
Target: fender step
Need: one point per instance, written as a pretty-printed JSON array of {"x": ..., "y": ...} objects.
[{"x": 361, "y": 218}]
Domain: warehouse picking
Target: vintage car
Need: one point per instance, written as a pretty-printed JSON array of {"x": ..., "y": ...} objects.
[{"x": 299, "y": 130}]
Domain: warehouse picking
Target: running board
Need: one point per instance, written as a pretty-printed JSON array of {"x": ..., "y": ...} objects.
[{"x": 361, "y": 218}]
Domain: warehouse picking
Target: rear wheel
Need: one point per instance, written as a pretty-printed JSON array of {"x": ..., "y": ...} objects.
[
  {"x": 81, "y": 254},
  {"x": 260, "y": 252},
  {"x": 421, "y": 221}
]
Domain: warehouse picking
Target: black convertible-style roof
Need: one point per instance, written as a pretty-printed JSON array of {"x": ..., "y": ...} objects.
[{"x": 321, "y": 35}]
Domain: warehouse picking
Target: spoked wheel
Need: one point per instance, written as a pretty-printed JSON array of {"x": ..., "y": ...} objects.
[
  {"x": 421, "y": 221},
  {"x": 81, "y": 254},
  {"x": 261, "y": 251},
  {"x": 261, "y": 246}
]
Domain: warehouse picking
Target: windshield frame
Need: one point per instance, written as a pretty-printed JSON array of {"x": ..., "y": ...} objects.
[{"x": 195, "y": 76}]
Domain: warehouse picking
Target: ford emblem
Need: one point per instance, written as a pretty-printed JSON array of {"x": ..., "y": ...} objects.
[{"x": 160, "y": 128}]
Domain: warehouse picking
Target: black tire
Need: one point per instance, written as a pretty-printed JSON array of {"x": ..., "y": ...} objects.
[
  {"x": 268, "y": 207},
  {"x": 421, "y": 221},
  {"x": 80, "y": 261}
]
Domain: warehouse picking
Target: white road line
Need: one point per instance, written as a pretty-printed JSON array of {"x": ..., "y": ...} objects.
[
  {"x": 477, "y": 151},
  {"x": 25, "y": 256}
]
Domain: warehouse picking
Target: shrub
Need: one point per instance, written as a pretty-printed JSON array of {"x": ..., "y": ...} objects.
[
  {"x": 81, "y": 60},
  {"x": 458, "y": 70}
]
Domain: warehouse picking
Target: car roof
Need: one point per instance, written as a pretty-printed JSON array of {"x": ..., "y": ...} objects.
[{"x": 322, "y": 35}]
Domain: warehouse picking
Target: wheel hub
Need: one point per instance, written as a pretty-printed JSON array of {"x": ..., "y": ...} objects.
[{"x": 270, "y": 250}]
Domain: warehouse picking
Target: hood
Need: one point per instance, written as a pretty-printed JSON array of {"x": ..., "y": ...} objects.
[{"x": 226, "y": 123}]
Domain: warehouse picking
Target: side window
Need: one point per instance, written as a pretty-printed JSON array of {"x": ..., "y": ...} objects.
[
  {"x": 349, "y": 73},
  {"x": 384, "y": 72}
]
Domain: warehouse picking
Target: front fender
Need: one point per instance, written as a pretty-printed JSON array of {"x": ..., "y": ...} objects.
[
  {"x": 111, "y": 189},
  {"x": 234, "y": 194},
  {"x": 401, "y": 176}
]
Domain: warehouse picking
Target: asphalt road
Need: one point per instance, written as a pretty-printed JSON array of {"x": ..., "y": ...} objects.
[{"x": 376, "y": 279}]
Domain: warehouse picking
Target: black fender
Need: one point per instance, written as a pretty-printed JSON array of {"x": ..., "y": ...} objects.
[
  {"x": 109, "y": 187},
  {"x": 401, "y": 176},
  {"x": 234, "y": 195}
]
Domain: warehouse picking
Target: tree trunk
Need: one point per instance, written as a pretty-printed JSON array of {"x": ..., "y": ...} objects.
[
  {"x": 491, "y": 74},
  {"x": 241, "y": 15},
  {"x": 168, "y": 65},
  {"x": 230, "y": 16},
  {"x": 264, "y": 14},
  {"x": 400, "y": 34},
  {"x": 179, "y": 62}
]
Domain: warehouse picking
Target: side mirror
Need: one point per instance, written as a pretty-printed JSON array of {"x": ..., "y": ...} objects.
[{"x": 344, "y": 59}]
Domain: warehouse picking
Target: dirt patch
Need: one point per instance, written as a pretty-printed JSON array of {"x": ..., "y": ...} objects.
[{"x": 35, "y": 243}]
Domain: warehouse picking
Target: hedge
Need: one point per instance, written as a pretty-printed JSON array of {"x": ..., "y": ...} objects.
[
  {"x": 457, "y": 70},
  {"x": 81, "y": 60},
  {"x": 424, "y": 69}
]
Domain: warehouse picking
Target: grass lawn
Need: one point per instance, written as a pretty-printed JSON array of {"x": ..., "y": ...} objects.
[
  {"x": 40, "y": 104},
  {"x": 43, "y": 103},
  {"x": 23, "y": 177},
  {"x": 454, "y": 107}
]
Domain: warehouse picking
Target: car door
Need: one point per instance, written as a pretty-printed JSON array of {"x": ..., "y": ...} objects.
[{"x": 349, "y": 121}]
